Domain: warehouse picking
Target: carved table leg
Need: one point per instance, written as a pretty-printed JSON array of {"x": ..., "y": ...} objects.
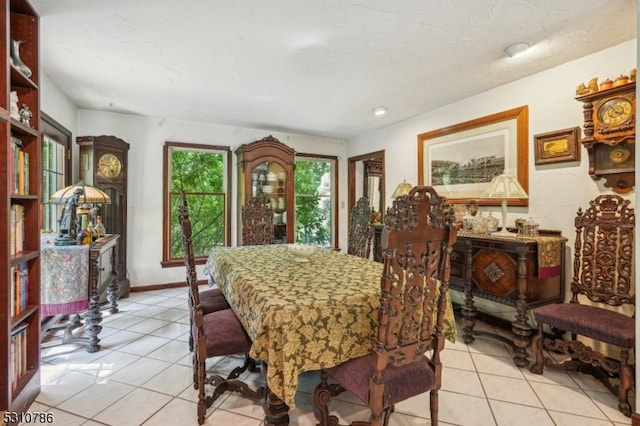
[
  {"x": 94, "y": 316},
  {"x": 276, "y": 412},
  {"x": 520, "y": 327},
  {"x": 92, "y": 323},
  {"x": 469, "y": 311},
  {"x": 113, "y": 290}
]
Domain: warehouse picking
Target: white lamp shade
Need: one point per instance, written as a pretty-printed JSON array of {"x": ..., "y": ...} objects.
[
  {"x": 504, "y": 186},
  {"x": 90, "y": 195}
]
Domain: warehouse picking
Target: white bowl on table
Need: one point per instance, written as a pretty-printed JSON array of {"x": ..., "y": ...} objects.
[{"x": 301, "y": 252}]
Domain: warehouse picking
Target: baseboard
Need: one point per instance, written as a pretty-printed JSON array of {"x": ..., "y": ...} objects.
[{"x": 151, "y": 287}]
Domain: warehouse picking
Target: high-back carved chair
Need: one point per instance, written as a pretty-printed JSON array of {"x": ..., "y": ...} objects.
[
  {"x": 359, "y": 243},
  {"x": 417, "y": 244},
  {"x": 257, "y": 222},
  {"x": 212, "y": 299},
  {"x": 602, "y": 274},
  {"x": 215, "y": 334}
]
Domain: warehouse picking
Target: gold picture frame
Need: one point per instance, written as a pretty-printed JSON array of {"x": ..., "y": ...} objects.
[
  {"x": 460, "y": 161},
  {"x": 557, "y": 147}
]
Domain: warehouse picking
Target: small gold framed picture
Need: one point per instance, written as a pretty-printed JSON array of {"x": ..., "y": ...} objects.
[{"x": 557, "y": 147}]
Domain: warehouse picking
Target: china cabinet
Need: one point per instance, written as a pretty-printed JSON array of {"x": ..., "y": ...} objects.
[
  {"x": 20, "y": 207},
  {"x": 265, "y": 167}
]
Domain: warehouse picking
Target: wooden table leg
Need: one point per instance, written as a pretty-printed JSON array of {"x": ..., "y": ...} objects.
[
  {"x": 520, "y": 327},
  {"x": 469, "y": 311},
  {"x": 276, "y": 412},
  {"x": 113, "y": 290}
]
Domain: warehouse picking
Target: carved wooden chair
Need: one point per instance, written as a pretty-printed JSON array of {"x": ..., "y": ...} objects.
[
  {"x": 359, "y": 243},
  {"x": 215, "y": 334},
  {"x": 257, "y": 222},
  {"x": 417, "y": 243},
  {"x": 602, "y": 275},
  {"x": 212, "y": 299}
]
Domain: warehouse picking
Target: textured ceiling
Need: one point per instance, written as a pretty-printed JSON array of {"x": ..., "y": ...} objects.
[{"x": 309, "y": 66}]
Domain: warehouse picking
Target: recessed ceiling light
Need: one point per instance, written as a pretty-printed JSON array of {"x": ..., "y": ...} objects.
[
  {"x": 515, "y": 49},
  {"x": 380, "y": 110}
]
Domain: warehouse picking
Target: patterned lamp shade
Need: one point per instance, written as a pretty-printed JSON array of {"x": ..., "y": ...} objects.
[
  {"x": 90, "y": 195},
  {"x": 402, "y": 189}
]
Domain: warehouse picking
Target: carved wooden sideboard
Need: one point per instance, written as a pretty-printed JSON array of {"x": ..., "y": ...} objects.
[{"x": 514, "y": 271}]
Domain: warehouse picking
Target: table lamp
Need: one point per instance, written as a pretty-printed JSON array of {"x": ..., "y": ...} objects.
[
  {"x": 73, "y": 196},
  {"x": 503, "y": 187},
  {"x": 402, "y": 189}
]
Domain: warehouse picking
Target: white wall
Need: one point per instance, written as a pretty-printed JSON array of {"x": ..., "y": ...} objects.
[
  {"x": 555, "y": 191},
  {"x": 146, "y": 136}
]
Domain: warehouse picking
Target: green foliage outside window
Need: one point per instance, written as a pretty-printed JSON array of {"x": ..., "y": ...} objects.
[
  {"x": 314, "y": 219},
  {"x": 200, "y": 174}
]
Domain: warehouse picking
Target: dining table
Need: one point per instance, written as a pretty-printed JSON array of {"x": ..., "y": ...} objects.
[{"x": 301, "y": 315}]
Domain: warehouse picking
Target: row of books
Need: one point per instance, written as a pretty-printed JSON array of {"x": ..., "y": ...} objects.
[
  {"x": 16, "y": 229},
  {"x": 18, "y": 354},
  {"x": 19, "y": 288},
  {"x": 18, "y": 168}
]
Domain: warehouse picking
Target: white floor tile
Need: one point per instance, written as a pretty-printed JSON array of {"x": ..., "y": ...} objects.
[
  {"x": 140, "y": 371},
  {"x": 96, "y": 398},
  {"x": 508, "y": 414},
  {"x": 508, "y": 389},
  {"x": 134, "y": 409},
  {"x": 143, "y": 376}
]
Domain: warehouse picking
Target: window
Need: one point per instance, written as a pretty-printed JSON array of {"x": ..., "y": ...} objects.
[
  {"x": 202, "y": 172},
  {"x": 56, "y": 161},
  {"x": 315, "y": 180}
]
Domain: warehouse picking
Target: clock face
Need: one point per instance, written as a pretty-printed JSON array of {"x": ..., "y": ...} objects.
[
  {"x": 109, "y": 165},
  {"x": 615, "y": 111}
]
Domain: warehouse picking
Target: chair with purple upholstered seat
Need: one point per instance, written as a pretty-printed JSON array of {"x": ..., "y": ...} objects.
[
  {"x": 417, "y": 243},
  {"x": 218, "y": 333},
  {"x": 211, "y": 300},
  {"x": 603, "y": 277}
]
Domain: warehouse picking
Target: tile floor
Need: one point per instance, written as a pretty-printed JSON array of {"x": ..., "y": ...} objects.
[{"x": 142, "y": 376}]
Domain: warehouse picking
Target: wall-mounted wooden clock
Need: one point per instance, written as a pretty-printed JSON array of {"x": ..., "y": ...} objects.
[
  {"x": 609, "y": 135},
  {"x": 103, "y": 164}
]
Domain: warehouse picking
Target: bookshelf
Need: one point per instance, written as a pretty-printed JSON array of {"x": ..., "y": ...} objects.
[{"x": 20, "y": 207}]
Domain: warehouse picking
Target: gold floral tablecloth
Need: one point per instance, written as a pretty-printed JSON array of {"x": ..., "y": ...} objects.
[{"x": 301, "y": 316}]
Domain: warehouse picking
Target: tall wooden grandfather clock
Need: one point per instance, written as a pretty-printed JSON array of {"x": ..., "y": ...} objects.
[{"x": 103, "y": 164}]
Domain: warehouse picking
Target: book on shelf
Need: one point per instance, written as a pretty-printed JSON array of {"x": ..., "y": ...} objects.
[
  {"x": 18, "y": 358},
  {"x": 19, "y": 168},
  {"x": 16, "y": 231},
  {"x": 22, "y": 287},
  {"x": 19, "y": 288}
]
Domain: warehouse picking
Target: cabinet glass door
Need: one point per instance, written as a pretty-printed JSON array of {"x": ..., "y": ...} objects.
[{"x": 270, "y": 179}]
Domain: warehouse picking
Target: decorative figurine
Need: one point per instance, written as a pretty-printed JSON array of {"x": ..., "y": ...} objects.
[
  {"x": 68, "y": 225},
  {"x": 25, "y": 115},
  {"x": 15, "y": 58},
  {"x": 13, "y": 108}
]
